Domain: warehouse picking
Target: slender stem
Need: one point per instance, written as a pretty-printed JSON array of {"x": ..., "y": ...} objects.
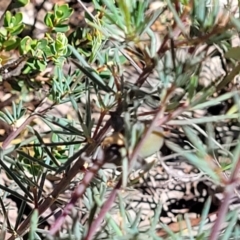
[
  {"x": 105, "y": 208},
  {"x": 108, "y": 204},
  {"x": 74, "y": 170},
  {"x": 228, "y": 194},
  {"x": 78, "y": 193}
]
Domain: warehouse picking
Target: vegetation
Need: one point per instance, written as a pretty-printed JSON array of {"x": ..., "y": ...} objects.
[{"x": 168, "y": 52}]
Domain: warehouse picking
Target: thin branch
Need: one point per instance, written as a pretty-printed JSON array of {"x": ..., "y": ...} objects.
[
  {"x": 108, "y": 204},
  {"x": 105, "y": 208},
  {"x": 74, "y": 170},
  {"x": 78, "y": 192},
  {"x": 228, "y": 194}
]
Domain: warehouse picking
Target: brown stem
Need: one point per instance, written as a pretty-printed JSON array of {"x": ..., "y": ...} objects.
[
  {"x": 14, "y": 134},
  {"x": 228, "y": 194},
  {"x": 102, "y": 114},
  {"x": 78, "y": 192},
  {"x": 74, "y": 170},
  {"x": 107, "y": 205},
  {"x": 105, "y": 208}
]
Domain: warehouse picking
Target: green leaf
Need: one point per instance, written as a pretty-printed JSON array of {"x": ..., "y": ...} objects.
[
  {"x": 53, "y": 49},
  {"x": 62, "y": 12},
  {"x": 18, "y": 18},
  {"x": 233, "y": 53},
  {"x": 35, "y": 64},
  {"x": 7, "y": 19},
  {"x": 235, "y": 22},
  {"x": 48, "y": 20},
  {"x": 61, "y": 28},
  {"x": 18, "y": 3},
  {"x": 61, "y": 43},
  {"x": 3, "y": 33},
  {"x": 16, "y": 30},
  {"x": 34, "y": 223},
  {"x": 11, "y": 44},
  {"x": 25, "y": 45}
]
